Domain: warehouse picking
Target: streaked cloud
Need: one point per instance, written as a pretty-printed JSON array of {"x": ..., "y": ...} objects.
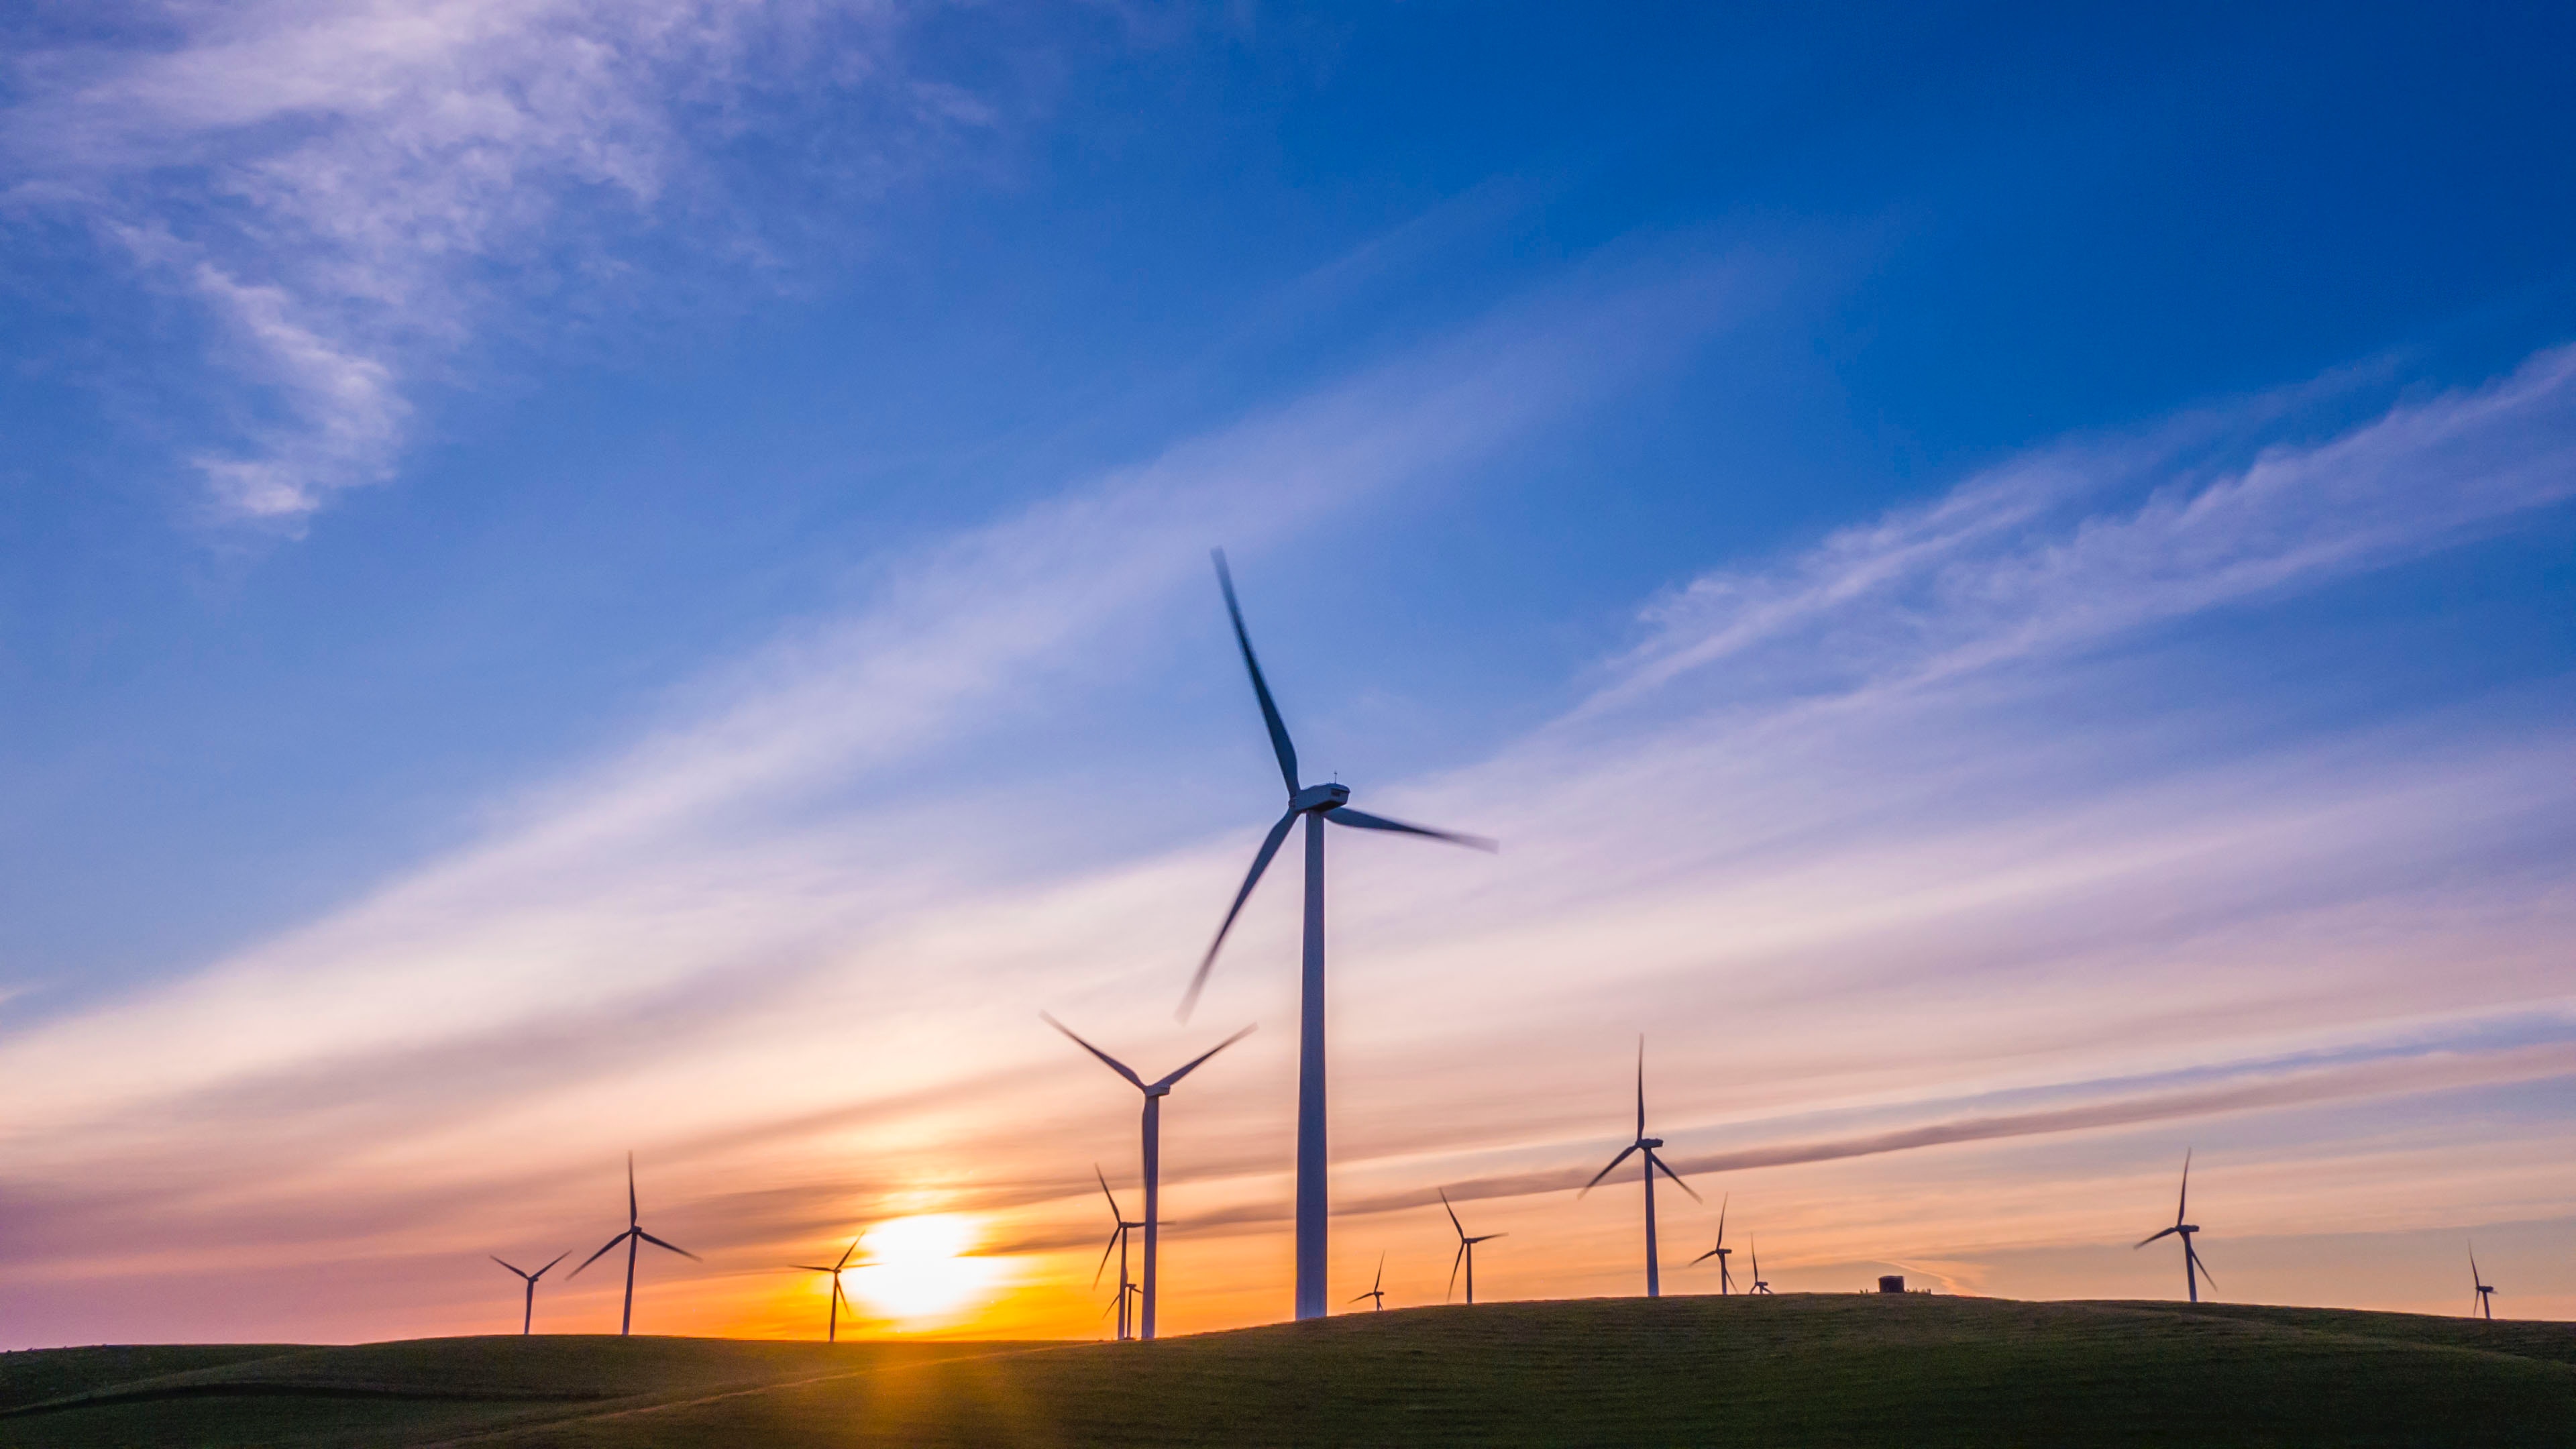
[{"x": 348, "y": 190}]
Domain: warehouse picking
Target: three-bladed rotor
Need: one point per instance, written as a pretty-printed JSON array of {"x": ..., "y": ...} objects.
[
  {"x": 1725, "y": 1276},
  {"x": 633, "y": 1235},
  {"x": 2194, "y": 1272},
  {"x": 2483, "y": 1301},
  {"x": 1377, "y": 1286},
  {"x": 840, "y": 1300},
  {"x": 1466, "y": 1251}
]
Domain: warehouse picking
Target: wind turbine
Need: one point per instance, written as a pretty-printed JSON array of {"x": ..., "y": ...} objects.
[
  {"x": 528, "y": 1320},
  {"x": 1317, "y": 803},
  {"x": 1466, "y": 1253},
  {"x": 1653, "y": 1164},
  {"x": 2485, "y": 1299},
  {"x": 2192, "y": 1268},
  {"x": 1154, "y": 1092},
  {"x": 1725, "y": 1279},
  {"x": 1118, "y": 1245},
  {"x": 1377, "y": 1286},
  {"x": 1758, "y": 1285},
  {"x": 832, "y": 1324},
  {"x": 633, "y": 1235}
]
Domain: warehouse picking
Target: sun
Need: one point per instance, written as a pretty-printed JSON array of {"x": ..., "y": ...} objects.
[{"x": 918, "y": 1268}]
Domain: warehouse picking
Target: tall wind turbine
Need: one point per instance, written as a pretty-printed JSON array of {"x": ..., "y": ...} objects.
[
  {"x": 1725, "y": 1279},
  {"x": 832, "y": 1323},
  {"x": 2193, "y": 1270},
  {"x": 1466, "y": 1252},
  {"x": 1758, "y": 1285},
  {"x": 1652, "y": 1164},
  {"x": 1154, "y": 1092},
  {"x": 2485, "y": 1299},
  {"x": 633, "y": 1235},
  {"x": 1377, "y": 1287},
  {"x": 1317, "y": 803},
  {"x": 528, "y": 1320},
  {"x": 1118, "y": 1237}
]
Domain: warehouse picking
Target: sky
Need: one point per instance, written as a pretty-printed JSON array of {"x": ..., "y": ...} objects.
[{"x": 605, "y": 576}]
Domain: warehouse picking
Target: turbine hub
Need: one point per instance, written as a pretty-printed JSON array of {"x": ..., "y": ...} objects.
[
  {"x": 1650, "y": 1142},
  {"x": 1320, "y": 797}
]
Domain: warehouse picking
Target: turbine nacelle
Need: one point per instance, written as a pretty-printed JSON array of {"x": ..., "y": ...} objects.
[{"x": 1319, "y": 797}]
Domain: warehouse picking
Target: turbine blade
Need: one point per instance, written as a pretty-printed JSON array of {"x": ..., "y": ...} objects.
[
  {"x": 1260, "y": 687},
  {"x": 1641, "y": 1086},
  {"x": 524, "y": 1273},
  {"x": 1721, "y": 1218},
  {"x": 809, "y": 1267},
  {"x": 1605, "y": 1172},
  {"x": 2182, "y": 1205},
  {"x": 1115, "y": 1215},
  {"x": 559, "y": 1257},
  {"x": 1702, "y": 1258},
  {"x": 845, "y": 1255},
  {"x": 1114, "y": 1235},
  {"x": 1115, "y": 1065},
  {"x": 632, "y": 1216},
  {"x": 1260, "y": 863},
  {"x": 2206, "y": 1276},
  {"x": 1675, "y": 1176},
  {"x": 1345, "y": 815},
  {"x": 674, "y": 1247},
  {"x": 1380, "y": 1280},
  {"x": 1203, "y": 1056},
  {"x": 1453, "y": 1215},
  {"x": 1488, "y": 1237},
  {"x": 1453, "y": 1268},
  {"x": 603, "y": 1249},
  {"x": 2160, "y": 1233}
]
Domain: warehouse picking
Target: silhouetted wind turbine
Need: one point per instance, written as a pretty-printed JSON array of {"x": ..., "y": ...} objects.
[
  {"x": 1653, "y": 1164},
  {"x": 1377, "y": 1286},
  {"x": 2192, "y": 1268},
  {"x": 1725, "y": 1279},
  {"x": 1118, "y": 1245},
  {"x": 1758, "y": 1285},
  {"x": 1466, "y": 1252},
  {"x": 832, "y": 1323},
  {"x": 2484, "y": 1302},
  {"x": 1154, "y": 1092},
  {"x": 527, "y": 1321},
  {"x": 633, "y": 1235},
  {"x": 1317, "y": 803}
]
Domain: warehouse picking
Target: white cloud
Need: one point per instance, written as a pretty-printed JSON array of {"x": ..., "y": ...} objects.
[{"x": 348, "y": 187}]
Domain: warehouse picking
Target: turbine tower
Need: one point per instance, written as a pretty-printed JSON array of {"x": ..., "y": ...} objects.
[
  {"x": 2484, "y": 1302},
  {"x": 1466, "y": 1253},
  {"x": 1725, "y": 1279},
  {"x": 1117, "y": 1244},
  {"x": 1646, "y": 1146},
  {"x": 528, "y": 1320},
  {"x": 2193, "y": 1271},
  {"x": 832, "y": 1323},
  {"x": 1317, "y": 803},
  {"x": 1758, "y": 1285},
  {"x": 1154, "y": 1092},
  {"x": 633, "y": 1235},
  {"x": 1377, "y": 1287}
]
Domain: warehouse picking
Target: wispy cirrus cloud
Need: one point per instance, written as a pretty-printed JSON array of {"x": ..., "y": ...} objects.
[{"x": 348, "y": 189}]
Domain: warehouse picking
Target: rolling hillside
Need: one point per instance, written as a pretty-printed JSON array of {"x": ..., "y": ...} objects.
[{"x": 1796, "y": 1369}]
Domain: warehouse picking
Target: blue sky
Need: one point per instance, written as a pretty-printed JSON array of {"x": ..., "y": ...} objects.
[{"x": 538, "y": 525}]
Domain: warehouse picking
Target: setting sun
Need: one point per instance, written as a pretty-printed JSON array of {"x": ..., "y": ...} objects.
[{"x": 919, "y": 1268}]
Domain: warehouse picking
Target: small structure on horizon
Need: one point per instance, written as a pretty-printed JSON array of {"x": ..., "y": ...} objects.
[{"x": 1891, "y": 1283}]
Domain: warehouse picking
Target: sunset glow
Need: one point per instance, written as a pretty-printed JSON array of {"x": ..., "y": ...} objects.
[{"x": 920, "y": 1270}]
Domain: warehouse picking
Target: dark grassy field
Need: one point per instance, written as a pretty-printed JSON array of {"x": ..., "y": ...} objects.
[{"x": 1796, "y": 1369}]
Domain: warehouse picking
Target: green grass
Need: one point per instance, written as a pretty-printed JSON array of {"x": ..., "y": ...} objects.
[{"x": 1796, "y": 1369}]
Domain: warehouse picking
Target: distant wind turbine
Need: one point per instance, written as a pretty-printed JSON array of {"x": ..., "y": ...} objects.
[
  {"x": 1317, "y": 803},
  {"x": 1377, "y": 1286},
  {"x": 2193, "y": 1271},
  {"x": 1466, "y": 1252},
  {"x": 1118, "y": 1245},
  {"x": 1155, "y": 1092},
  {"x": 832, "y": 1322},
  {"x": 1725, "y": 1279},
  {"x": 2484, "y": 1302},
  {"x": 633, "y": 1235},
  {"x": 1652, "y": 1164},
  {"x": 1758, "y": 1285},
  {"x": 528, "y": 1320}
]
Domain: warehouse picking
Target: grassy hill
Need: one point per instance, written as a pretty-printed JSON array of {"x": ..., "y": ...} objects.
[{"x": 1796, "y": 1369}]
